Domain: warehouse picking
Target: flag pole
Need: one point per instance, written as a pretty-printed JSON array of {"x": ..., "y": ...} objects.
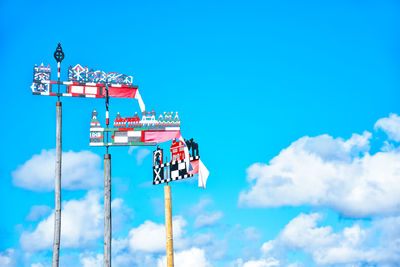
[
  {"x": 168, "y": 226},
  {"x": 57, "y": 189},
  {"x": 107, "y": 192},
  {"x": 107, "y": 210},
  {"x": 59, "y": 56},
  {"x": 168, "y": 222}
]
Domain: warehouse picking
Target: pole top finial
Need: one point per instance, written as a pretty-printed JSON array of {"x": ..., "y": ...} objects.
[{"x": 59, "y": 54}]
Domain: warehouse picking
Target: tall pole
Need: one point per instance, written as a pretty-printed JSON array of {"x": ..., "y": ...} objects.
[
  {"x": 59, "y": 56},
  {"x": 168, "y": 226},
  {"x": 107, "y": 210},
  {"x": 57, "y": 188}
]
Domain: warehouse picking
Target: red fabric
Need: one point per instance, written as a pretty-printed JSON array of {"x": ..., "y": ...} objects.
[
  {"x": 121, "y": 92},
  {"x": 195, "y": 166},
  {"x": 160, "y": 136}
]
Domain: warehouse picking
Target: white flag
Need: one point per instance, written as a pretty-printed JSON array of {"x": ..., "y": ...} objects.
[{"x": 203, "y": 174}]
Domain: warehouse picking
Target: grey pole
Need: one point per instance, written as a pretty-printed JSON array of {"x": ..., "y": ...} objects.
[
  {"x": 57, "y": 189},
  {"x": 107, "y": 210}
]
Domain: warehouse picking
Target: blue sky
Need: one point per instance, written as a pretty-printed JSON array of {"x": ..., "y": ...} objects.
[{"x": 293, "y": 104}]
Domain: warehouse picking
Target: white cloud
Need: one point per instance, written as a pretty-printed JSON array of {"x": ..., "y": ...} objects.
[
  {"x": 257, "y": 263},
  {"x": 207, "y": 219},
  {"x": 349, "y": 246},
  {"x": 141, "y": 155},
  {"x": 145, "y": 245},
  {"x": 251, "y": 233},
  {"x": 193, "y": 257},
  {"x": 262, "y": 263},
  {"x": 82, "y": 224},
  {"x": 128, "y": 259},
  {"x": 38, "y": 212},
  {"x": 391, "y": 126},
  {"x": 8, "y": 258},
  {"x": 324, "y": 171},
  {"x": 342, "y": 175},
  {"x": 353, "y": 245},
  {"x": 150, "y": 236},
  {"x": 91, "y": 260},
  {"x": 120, "y": 214},
  {"x": 80, "y": 170},
  {"x": 199, "y": 207},
  {"x": 302, "y": 233}
]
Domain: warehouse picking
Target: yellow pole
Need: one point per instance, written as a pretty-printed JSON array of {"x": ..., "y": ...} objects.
[{"x": 168, "y": 226}]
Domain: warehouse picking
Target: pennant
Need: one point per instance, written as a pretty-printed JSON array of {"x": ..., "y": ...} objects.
[
  {"x": 159, "y": 136},
  {"x": 122, "y": 92},
  {"x": 203, "y": 174},
  {"x": 127, "y": 93}
]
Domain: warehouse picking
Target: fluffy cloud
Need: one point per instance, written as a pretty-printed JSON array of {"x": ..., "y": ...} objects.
[
  {"x": 327, "y": 171},
  {"x": 82, "y": 224},
  {"x": 391, "y": 126},
  {"x": 251, "y": 233},
  {"x": 37, "y": 212},
  {"x": 91, "y": 260},
  {"x": 82, "y": 228},
  {"x": 148, "y": 237},
  {"x": 302, "y": 232},
  {"x": 193, "y": 257},
  {"x": 351, "y": 246},
  {"x": 121, "y": 214},
  {"x": 80, "y": 170},
  {"x": 8, "y": 258},
  {"x": 257, "y": 263},
  {"x": 201, "y": 205},
  {"x": 145, "y": 246},
  {"x": 340, "y": 174},
  {"x": 151, "y": 237},
  {"x": 207, "y": 219}
]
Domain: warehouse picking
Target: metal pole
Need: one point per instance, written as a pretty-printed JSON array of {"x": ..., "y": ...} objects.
[
  {"x": 57, "y": 189},
  {"x": 107, "y": 210},
  {"x": 168, "y": 226}
]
